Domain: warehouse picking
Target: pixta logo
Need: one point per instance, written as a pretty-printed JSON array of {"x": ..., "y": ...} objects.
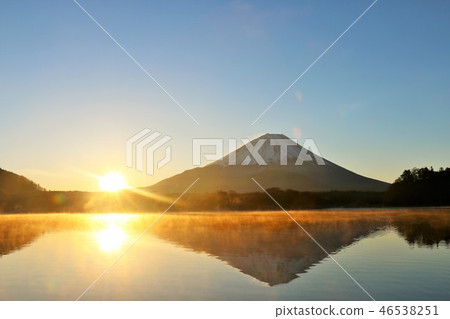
[
  {"x": 141, "y": 147},
  {"x": 259, "y": 152}
]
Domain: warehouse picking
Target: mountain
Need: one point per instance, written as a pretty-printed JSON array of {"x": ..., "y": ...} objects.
[
  {"x": 18, "y": 194},
  {"x": 13, "y": 184},
  {"x": 309, "y": 176}
]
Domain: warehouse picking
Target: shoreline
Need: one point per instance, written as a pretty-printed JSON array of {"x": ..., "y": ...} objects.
[{"x": 211, "y": 212}]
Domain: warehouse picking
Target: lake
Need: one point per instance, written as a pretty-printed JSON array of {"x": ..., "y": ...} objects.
[{"x": 393, "y": 254}]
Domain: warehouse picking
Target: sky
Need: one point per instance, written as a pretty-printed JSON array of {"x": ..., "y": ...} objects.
[{"x": 376, "y": 103}]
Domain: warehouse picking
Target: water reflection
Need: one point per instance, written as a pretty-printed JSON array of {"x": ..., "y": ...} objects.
[
  {"x": 111, "y": 238},
  {"x": 271, "y": 248},
  {"x": 267, "y": 246}
]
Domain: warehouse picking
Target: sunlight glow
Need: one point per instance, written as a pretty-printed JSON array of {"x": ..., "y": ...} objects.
[
  {"x": 113, "y": 234},
  {"x": 111, "y": 238},
  {"x": 154, "y": 196},
  {"x": 112, "y": 182}
]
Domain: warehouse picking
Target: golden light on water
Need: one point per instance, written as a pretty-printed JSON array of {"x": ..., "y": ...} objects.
[
  {"x": 112, "y": 182},
  {"x": 113, "y": 236},
  {"x": 111, "y": 239}
]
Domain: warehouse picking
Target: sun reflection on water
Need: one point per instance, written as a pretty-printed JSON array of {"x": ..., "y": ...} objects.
[
  {"x": 113, "y": 235},
  {"x": 111, "y": 239}
]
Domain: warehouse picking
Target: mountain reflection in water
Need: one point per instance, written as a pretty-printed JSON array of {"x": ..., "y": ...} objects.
[{"x": 268, "y": 246}]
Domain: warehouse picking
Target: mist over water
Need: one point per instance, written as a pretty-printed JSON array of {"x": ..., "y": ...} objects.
[{"x": 393, "y": 254}]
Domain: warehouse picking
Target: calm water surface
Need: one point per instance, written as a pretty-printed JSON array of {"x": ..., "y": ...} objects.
[{"x": 394, "y": 255}]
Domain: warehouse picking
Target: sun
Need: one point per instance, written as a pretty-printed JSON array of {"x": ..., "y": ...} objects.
[{"x": 112, "y": 182}]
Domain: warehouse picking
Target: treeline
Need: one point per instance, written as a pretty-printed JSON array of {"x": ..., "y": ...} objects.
[
  {"x": 416, "y": 187},
  {"x": 128, "y": 201},
  {"x": 288, "y": 199},
  {"x": 420, "y": 187}
]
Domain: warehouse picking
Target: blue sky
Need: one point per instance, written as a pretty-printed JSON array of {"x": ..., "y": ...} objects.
[{"x": 377, "y": 103}]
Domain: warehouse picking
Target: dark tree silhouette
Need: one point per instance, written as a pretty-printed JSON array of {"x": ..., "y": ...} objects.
[{"x": 420, "y": 187}]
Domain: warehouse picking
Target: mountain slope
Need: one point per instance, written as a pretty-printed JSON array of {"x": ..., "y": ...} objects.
[
  {"x": 309, "y": 176},
  {"x": 13, "y": 184}
]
